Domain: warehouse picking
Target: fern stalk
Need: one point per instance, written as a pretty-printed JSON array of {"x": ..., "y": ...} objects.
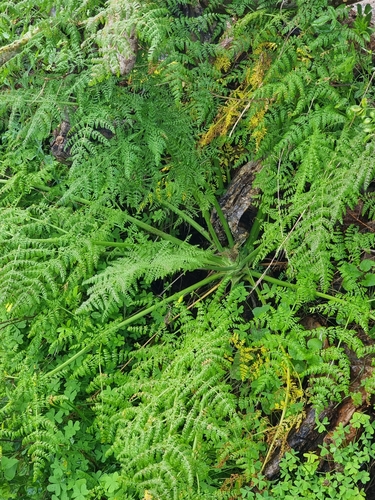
[
  {"x": 212, "y": 231},
  {"x": 188, "y": 219},
  {"x": 135, "y": 317},
  {"x": 275, "y": 281},
  {"x": 153, "y": 230},
  {"x": 219, "y": 174},
  {"x": 254, "y": 232},
  {"x": 224, "y": 223}
]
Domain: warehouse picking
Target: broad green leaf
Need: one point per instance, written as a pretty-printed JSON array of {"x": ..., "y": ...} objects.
[
  {"x": 9, "y": 467},
  {"x": 258, "y": 311},
  {"x": 369, "y": 280},
  {"x": 366, "y": 265},
  {"x": 314, "y": 344}
]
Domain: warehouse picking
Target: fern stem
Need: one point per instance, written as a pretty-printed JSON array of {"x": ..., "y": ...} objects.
[
  {"x": 48, "y": 189},
  {"x": 275, "y": 281},
  {"x": 219, "y": 174},
  {"x": 188, "y": 219},
  {"x": 252, "y": 283},
  {"x": 210, "y": 267},
  {"x": 54, "y": 241},
  {"x": 48, "y": 224},
  {"x": 115, "y": 244},
  {"x": 224, "y": 223},
  {"x": 212, "y": 232},
  {"x": 254, "y": 232},
  {"x": 250, "y": 257},
  {"x": 134, "y": 318},
  {"x": 153, "y": 230}
]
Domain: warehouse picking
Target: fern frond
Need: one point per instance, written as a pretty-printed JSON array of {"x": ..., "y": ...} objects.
[
  {"x": 155, "y": 260},
  {"x": 165, "y": 423}
]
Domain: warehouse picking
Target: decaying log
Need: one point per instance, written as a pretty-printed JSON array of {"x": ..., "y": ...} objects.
[
  {"x": 238, "y": 204},
  {"x": 307, "y": 438}
]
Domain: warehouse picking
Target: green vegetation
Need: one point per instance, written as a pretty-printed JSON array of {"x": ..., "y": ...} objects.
[{"x": 142, "y": 354}]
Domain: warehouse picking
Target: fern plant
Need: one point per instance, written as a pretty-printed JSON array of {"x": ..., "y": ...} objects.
[
  {"x": 167, "y": 435},
  {"x": 114, "y": 281}
]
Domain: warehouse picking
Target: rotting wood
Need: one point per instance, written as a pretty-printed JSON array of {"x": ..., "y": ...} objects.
[{"x": 238, "y": 204}]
